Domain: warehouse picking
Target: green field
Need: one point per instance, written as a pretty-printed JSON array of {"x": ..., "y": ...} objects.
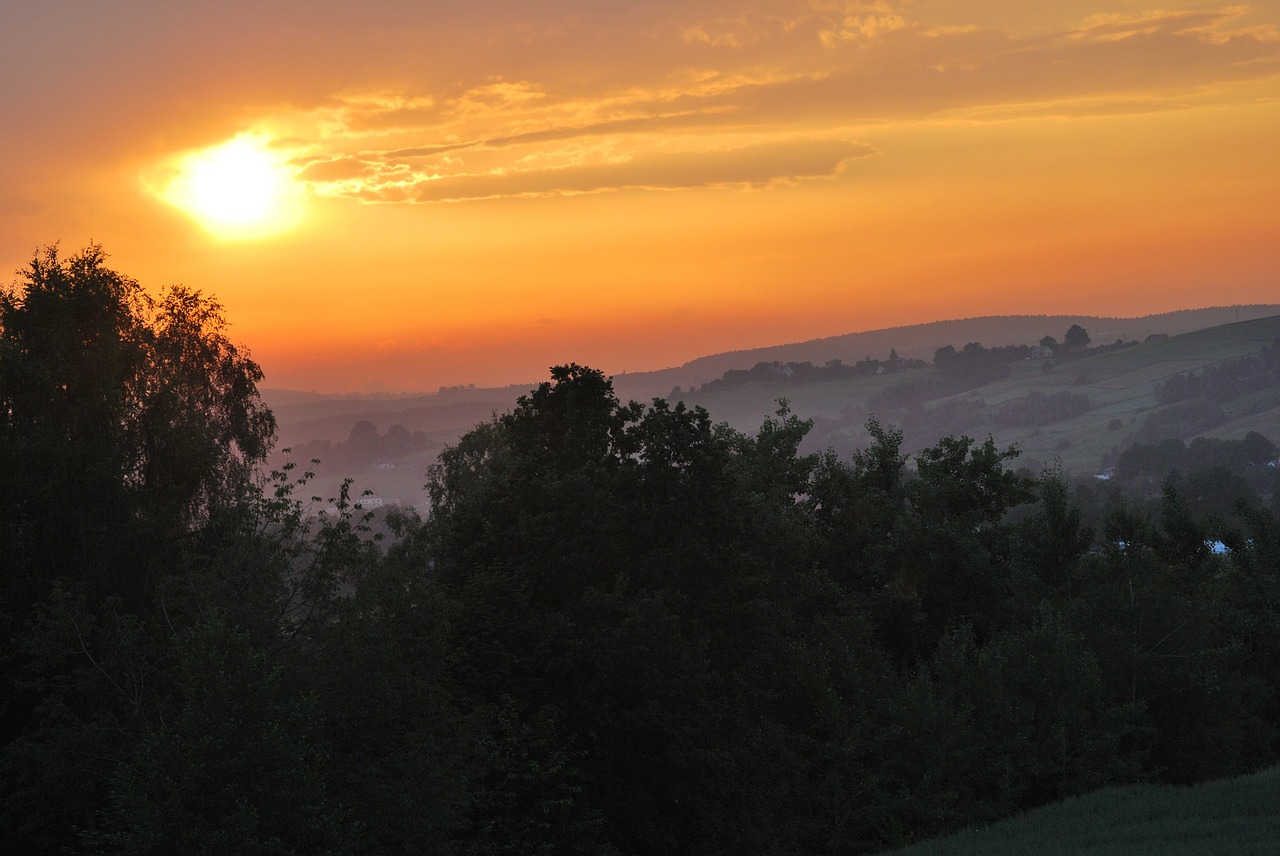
[
  {"x": 1231, "y": 817},
  {"x": 1120, "y": 385}
]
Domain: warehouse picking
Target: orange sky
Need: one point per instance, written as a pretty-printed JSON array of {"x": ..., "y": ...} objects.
[{"x": 484, "y": 189}]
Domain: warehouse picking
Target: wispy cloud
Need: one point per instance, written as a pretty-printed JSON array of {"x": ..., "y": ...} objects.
[
  {"x": 772, "y": 94},
  {"x": 744, "y": 166}
]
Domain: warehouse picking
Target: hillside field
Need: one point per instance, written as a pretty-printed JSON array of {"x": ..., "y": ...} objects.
[
  {"x": 1119, "y": 384},
  {"x": 1238, "y": 816}
]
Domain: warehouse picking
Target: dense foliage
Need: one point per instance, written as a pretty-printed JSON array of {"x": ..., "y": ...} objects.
[
  {"x": 1227, "y": 381},
  {"x": 622, "y": 628},
  {"x": 364, "y": 447},
  {"x": 804, "y": 372}
]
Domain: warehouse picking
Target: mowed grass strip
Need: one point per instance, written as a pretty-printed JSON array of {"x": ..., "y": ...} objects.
[{"x": 1240, "y": 817}]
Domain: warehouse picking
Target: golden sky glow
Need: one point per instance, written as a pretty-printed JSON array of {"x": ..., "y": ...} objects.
[{"x": 403, "y": 194}]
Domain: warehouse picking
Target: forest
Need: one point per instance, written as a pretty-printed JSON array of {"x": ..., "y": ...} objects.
[{"x": 622, "y": 628}]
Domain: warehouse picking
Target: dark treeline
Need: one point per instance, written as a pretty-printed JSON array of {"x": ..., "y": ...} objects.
[
  {"x": 1226, "y": 381},
  {"x": 1253, "y": 456},
  {"x": 364, "y": 447},
  {"x": 1190, "y": 403},
  {"x": 973, "y": 366},
  {"x": 1212, "y": 477},
  {"x": 804, "y": 372},
  {"x": 928, "y": 406},
  {"x": 958, "y": 370},
  {"x": 622, "y": 628}
]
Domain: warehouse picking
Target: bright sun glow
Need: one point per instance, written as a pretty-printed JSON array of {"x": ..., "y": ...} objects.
[{"x": 237, "y": 190}]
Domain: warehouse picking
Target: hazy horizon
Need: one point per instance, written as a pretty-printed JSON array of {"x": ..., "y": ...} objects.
[{"x": 538, "y": 373}]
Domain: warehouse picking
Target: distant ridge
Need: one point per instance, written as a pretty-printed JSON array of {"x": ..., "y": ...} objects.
[
  {"x": 919, "y": 341},
  {"x": 306, "y": 415},
  {"x": 1115, "y": 392}
]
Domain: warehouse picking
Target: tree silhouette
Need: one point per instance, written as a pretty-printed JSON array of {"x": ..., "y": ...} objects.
[
  {"x": 129, "y": 429},
  {"x": 118, "y": 413},
  {"x": 1076, "y": 337}
]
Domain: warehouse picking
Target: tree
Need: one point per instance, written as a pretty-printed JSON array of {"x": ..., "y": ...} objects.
[
  {"x": 1076, "y": 337},
  {"x": 124, "y": 420},
  {"x": 668, "y": 665},
  {"x": 952, "y": 543},
  {"x": 129, "y": 430},
  {"x": 1052, "y": 539},
  {"x": 238, "y": 765}
]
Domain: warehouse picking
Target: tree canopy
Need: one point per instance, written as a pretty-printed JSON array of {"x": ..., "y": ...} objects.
[
  {"x": 122, "y": 417},
  {"x": 1076, "y": 337}
]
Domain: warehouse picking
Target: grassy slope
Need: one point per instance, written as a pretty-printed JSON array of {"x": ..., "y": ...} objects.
[
  {"x": 1120, "y": 384},
  {"x": 1233, "y": 816},
  {"x": 920, "y": 340}
]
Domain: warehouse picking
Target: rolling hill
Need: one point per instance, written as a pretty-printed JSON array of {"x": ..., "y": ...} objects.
[
  {"x": 1112, "y": 393},
  {"x": 1117, "y": 389},
  {"x": 1236, "y": 816},
  {"x": 919, "y": 341}
]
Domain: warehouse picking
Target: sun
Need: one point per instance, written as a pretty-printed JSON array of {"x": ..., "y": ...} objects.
[{"x": 237, "y": 190}]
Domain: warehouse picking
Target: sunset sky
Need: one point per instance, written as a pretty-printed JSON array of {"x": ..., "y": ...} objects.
[{"x": 400, "y": 195}]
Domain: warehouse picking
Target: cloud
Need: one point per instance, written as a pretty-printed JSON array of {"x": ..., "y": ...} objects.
[
  {"x": 337, "y": 169},
  {"x": 407, "y": 105},
  {"x": 775, "y": 106},
  {"x": 635, "y": 125},
  {"x": 879, "y": 65},
  {"x": 917, "y": 73},
  {"x": 750, "y": 166},
  {"x": 1203, "y": 23}
]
